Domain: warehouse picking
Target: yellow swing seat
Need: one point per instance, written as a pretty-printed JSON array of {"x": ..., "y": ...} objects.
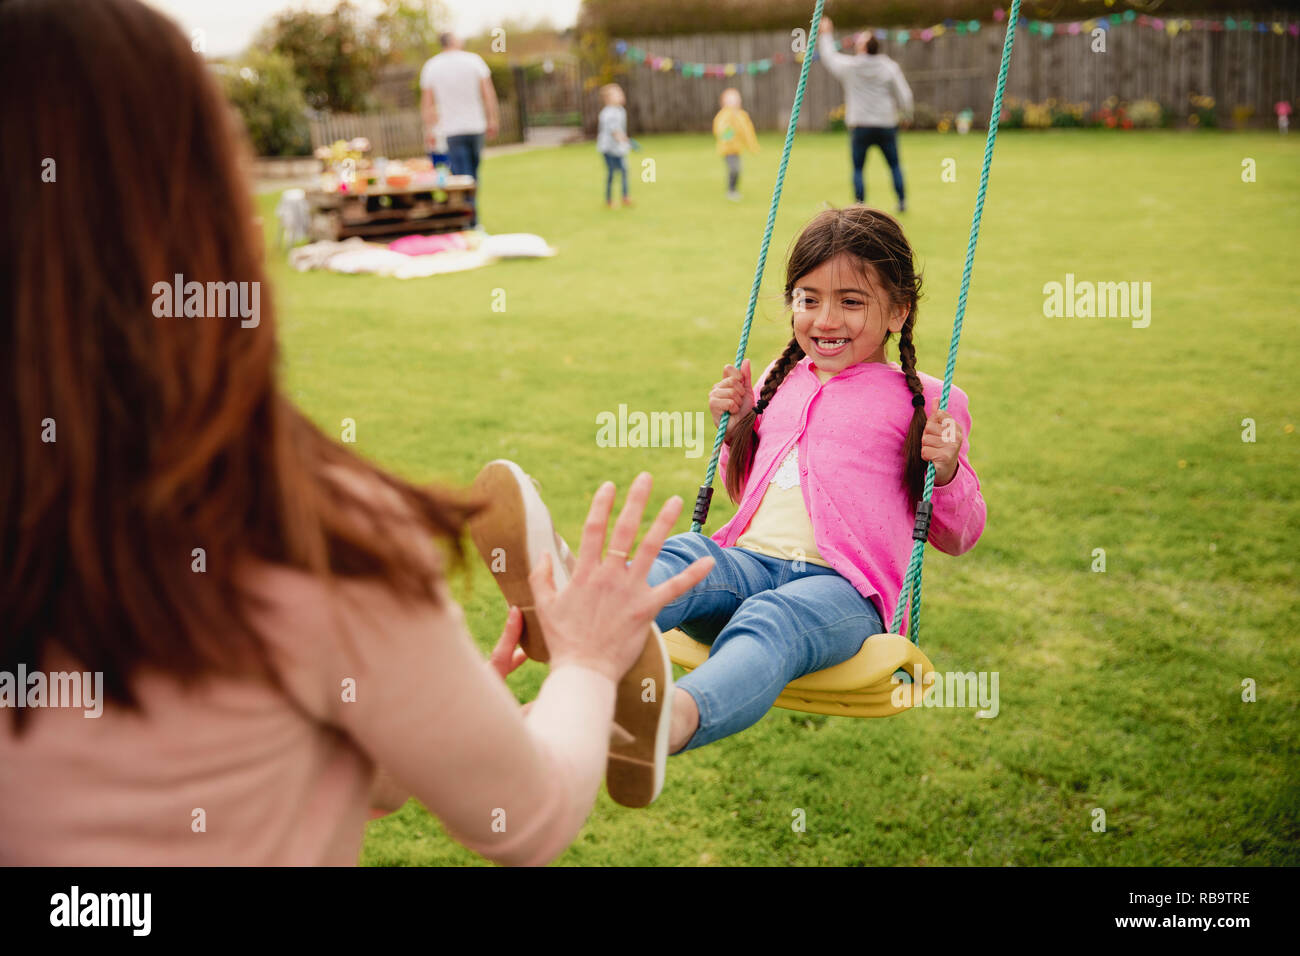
[{"x": 862, "y": 686}]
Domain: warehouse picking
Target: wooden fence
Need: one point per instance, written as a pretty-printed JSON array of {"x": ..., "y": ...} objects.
[
  {"x": 551, "y": 98},
  {"x": 951, "y": 73},
  {"x": 398, "y": 134}
]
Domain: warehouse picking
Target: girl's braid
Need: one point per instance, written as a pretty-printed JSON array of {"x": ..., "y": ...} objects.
[{"x": 914, "y": 472}]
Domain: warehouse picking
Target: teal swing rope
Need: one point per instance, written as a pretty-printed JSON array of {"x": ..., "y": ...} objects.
[
  {"x": 706, "y": 489},
  {"x": 912, "y": 581}
]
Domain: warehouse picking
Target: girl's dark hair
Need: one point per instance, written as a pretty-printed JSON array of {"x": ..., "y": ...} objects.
[
  {"x": 873, "y": 46},
  {"x": 173, "y": 434},
  {"x": 876, "y": 240}
]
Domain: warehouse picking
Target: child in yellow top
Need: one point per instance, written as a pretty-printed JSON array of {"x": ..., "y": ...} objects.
[{"x": 735, "y": 133}]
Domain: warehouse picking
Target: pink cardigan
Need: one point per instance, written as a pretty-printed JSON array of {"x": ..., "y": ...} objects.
[{"x": 851, "y": 431}]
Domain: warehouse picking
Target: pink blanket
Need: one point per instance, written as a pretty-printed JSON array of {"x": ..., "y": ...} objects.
[{"x": 427, "y": 245}]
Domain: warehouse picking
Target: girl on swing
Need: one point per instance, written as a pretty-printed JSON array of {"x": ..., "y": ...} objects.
[{"x": 826, "y": 460}]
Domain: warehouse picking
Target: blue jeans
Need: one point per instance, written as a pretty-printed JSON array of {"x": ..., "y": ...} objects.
[
  {"x": 464, "y": 152},
  {"x": 614, "y": 163},
  {"x": 767, "y": 622},
  {"x": 863, "y": 138}
]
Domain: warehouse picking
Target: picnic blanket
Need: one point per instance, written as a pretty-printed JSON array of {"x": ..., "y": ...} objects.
[{"x": 412, "y": 257}]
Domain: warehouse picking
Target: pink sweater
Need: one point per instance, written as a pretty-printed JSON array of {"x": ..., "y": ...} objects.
[
  {"x": 233, "y": 772},
  {"x": 851, "y": 431}
]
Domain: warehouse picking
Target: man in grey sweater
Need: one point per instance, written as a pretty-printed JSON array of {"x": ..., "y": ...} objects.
[{"x": 875, "y": 95}]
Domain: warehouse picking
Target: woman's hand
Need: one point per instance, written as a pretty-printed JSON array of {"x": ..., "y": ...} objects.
[
  {"x": 734, "y": 394},
  {"x": 601, "y": 619},
  {"x": 940, "y": 444},
  {"x": 826, "y": 28},
  {"x": 508, "y": 655}
]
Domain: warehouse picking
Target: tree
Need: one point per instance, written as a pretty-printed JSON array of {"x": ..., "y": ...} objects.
[
  {"x": 407, "y": 30},
  {"x": 334, "y": 63},
  {"x": 337, "y": 55},
  {"x": 262, "y": 86}
]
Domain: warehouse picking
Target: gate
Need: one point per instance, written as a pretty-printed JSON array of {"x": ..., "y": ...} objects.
[{"x": 550, "y": 93}]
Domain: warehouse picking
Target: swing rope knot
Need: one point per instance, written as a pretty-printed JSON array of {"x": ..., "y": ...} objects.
[
  {"x": 702, "y": 506},
  {"x": 921, "y": 529}
]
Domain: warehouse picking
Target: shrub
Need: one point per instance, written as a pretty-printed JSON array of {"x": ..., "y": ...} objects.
[
  {"x": 335, "y": 64},
  {"x": 596, "y": 53},
  {"x": 924, "y": 116},
  {"x": 503, "y": 77},
  {"x": 1112, "y": 114},
  {"x": 1013, "y": 114},
  {"x": 1202, "y": 114},
  {"x": 1068, "y": 114},
  {"x": 1112, "y": 117},
  {"x": 337, "y": 54},
  {"x": 1038, "y": 115},
  {"x": 1146, "y": 114},
  {"x": 264, "y": 89}
]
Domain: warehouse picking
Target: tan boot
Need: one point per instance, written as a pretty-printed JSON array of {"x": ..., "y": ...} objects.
[
  {"x": 511, "y": 534},
  {"x": 643, "y": 709}
]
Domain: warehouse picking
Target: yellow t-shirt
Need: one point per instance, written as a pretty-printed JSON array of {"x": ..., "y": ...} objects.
[
  {"x": 734, "y": 131},
  {"x": 781, "y": 527}
]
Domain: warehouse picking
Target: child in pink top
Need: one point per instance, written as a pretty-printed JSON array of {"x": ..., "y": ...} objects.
[{"x": 803, "y": 578}]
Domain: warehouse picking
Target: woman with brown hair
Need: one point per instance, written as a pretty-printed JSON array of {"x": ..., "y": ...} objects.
[{"x": 267, "y": 611}]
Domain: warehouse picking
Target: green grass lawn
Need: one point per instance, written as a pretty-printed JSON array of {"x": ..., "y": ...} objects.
[{"x": 1119, "y": 690}]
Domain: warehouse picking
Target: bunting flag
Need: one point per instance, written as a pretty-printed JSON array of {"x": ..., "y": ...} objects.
[{"x": 1172, "y": 26}]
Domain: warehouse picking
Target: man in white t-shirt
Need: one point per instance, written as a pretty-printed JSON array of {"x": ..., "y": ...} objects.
[{"x": 458, "y": 103}]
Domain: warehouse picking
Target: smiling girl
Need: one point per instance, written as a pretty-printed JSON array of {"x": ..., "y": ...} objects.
[{"x": 826, "y": 460}]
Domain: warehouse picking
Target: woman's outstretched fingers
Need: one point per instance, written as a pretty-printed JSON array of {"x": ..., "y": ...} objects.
[
  {"x": 594, "y": 528},
  {"x": 654, "y": 539},
  {"x": 629, "y": 519},
  {"x": 680, "y": 583}
]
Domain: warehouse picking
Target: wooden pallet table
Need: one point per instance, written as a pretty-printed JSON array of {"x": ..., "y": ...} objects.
[{"x": 393, "y": 210}]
